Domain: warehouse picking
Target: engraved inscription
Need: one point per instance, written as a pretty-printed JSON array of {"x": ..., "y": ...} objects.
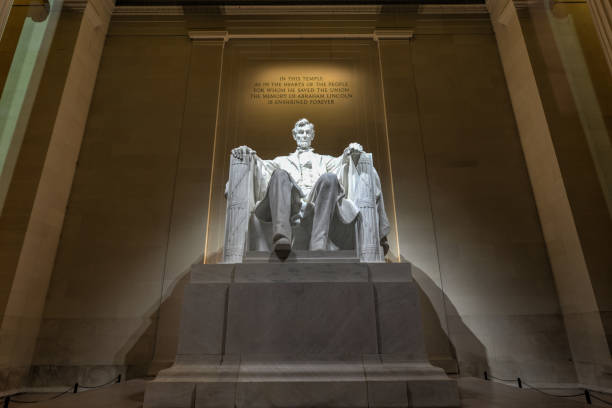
[{"x": 303, "y": 89}]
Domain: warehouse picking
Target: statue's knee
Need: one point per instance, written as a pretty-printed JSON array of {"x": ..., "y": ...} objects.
[
  {"x": 329, "y": 179},
  {"x": 280, "y": 174}
]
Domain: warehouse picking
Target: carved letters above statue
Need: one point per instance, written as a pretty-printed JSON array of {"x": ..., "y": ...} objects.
[{"x": 337, "y": 200}]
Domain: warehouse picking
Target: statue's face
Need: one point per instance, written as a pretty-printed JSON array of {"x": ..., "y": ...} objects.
[{"x": 303, "y": 136}]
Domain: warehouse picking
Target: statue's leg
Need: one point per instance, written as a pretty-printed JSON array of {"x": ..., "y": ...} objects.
[
  {"x": 279, "y": 196},
  {"x": 324, "y": 197}
]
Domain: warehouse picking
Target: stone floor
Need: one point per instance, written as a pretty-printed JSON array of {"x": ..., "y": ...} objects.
[{"x": 475, "y": 393}]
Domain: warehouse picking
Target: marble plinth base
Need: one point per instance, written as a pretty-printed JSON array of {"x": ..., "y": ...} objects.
[{"x": 301, "y": 335}]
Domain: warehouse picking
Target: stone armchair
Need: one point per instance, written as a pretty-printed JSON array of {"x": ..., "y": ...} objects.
[{"x": 245, "y": 233}]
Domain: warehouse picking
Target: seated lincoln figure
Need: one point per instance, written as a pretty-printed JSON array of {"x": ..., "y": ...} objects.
[{"x": 318, "y": 191}]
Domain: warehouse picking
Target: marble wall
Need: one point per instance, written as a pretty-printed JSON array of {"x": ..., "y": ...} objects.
[
  {"x": 466, "y": 212},
  {"x": 137, "y": 210},
  {"x": 138, "y": 206}
]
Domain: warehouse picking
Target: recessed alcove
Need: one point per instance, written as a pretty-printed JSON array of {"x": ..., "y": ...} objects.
[{"x": 484, "y": 122}]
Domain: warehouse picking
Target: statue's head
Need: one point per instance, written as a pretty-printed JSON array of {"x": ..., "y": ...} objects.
[{"x": 303, "y": 133}]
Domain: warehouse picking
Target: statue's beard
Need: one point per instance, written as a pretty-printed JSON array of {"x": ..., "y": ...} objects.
[{"x": 303, "y": 145}]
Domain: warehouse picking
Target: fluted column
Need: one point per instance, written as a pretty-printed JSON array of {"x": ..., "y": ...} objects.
[
  {"x": 238, "y": 212},
  {"x": 5, "y": 9},
  {"x": 26, "y": 299},
  {"x": 602, "y": 18},
  {"x": 585, "y": 330}
]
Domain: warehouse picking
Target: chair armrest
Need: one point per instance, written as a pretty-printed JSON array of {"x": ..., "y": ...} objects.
[
  {"x": 370, "y": 249},
  {"x": 239, "y": 197}
]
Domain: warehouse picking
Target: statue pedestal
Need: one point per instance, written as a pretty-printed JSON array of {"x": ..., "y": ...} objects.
[
  {"x": 301, "y": 335},
  {"x": 303, "y": 256}
]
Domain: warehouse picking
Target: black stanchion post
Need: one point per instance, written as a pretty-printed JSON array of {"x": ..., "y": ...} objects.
[
  {"x": 119, "y": 378},
  {"x": 520, "y": 383},
  {"x": 587, "y": 396},
  {"x": 486, "y": 376},
  {"x": 7, "y": 401},
  {"x": 76, "y": 387}
]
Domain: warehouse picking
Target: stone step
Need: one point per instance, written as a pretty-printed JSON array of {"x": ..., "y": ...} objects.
[
  {"x": 252, "y": 384},
  {"x": 302, "y": 256}
]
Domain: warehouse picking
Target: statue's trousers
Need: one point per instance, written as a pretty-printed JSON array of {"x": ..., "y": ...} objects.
[{"x": 322, "y": 200}]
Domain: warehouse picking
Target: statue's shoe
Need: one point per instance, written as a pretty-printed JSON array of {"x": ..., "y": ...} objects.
[{"x": 282, "y": 247}]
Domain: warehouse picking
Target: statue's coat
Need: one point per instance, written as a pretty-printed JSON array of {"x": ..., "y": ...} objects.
[{"x": 305, "y": 168}]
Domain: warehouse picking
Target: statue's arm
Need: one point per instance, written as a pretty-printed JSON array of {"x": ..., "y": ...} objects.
[
  {"x": 259, "y": 170},
  {"x": 241, "y": 152},
  {"x": 337, "y": 164},
  {"x": 267, "y": 165},
  {"x": 353, "y": 151}
]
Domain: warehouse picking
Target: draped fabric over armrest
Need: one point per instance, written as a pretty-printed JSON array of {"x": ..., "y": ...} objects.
[{"x": 240, "y": 203}]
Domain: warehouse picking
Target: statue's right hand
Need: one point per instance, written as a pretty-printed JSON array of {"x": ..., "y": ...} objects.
[{"x": 242, "y": 151}]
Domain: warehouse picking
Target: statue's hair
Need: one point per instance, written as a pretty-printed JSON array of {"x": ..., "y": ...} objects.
[{"x": 303, "y": 122}]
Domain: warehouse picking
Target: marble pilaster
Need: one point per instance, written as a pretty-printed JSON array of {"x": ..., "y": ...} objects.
[
  {"x": 602, "y": 17},
  {"x": 579, "y": 306},
  {"x": 26, "y": 299}
]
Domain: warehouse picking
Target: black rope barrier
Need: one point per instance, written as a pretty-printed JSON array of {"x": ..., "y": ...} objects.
[
  {"x": 114, "y": 380},
  {"x": 587, "y": 394},
  {"x": 74, "y": 388},
  {"x": 518, "y": 380},
  {"x": 601, "y": 399},
  {"x": 495, "y": 378},
  {"x": 580, "y": 394},
  {"x": 42, "y": 400}
]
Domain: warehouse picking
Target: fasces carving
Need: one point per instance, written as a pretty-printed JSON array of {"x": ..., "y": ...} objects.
[
  {"x": 337, "y": 200},
  {"x": 238, "y": 208}
]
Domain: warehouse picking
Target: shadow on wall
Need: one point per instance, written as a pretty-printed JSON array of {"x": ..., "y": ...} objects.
[
  {"x": 454, "y": 348},
  {"x": 446, "y": 350},
  {"x": 153, "y": 345}
]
